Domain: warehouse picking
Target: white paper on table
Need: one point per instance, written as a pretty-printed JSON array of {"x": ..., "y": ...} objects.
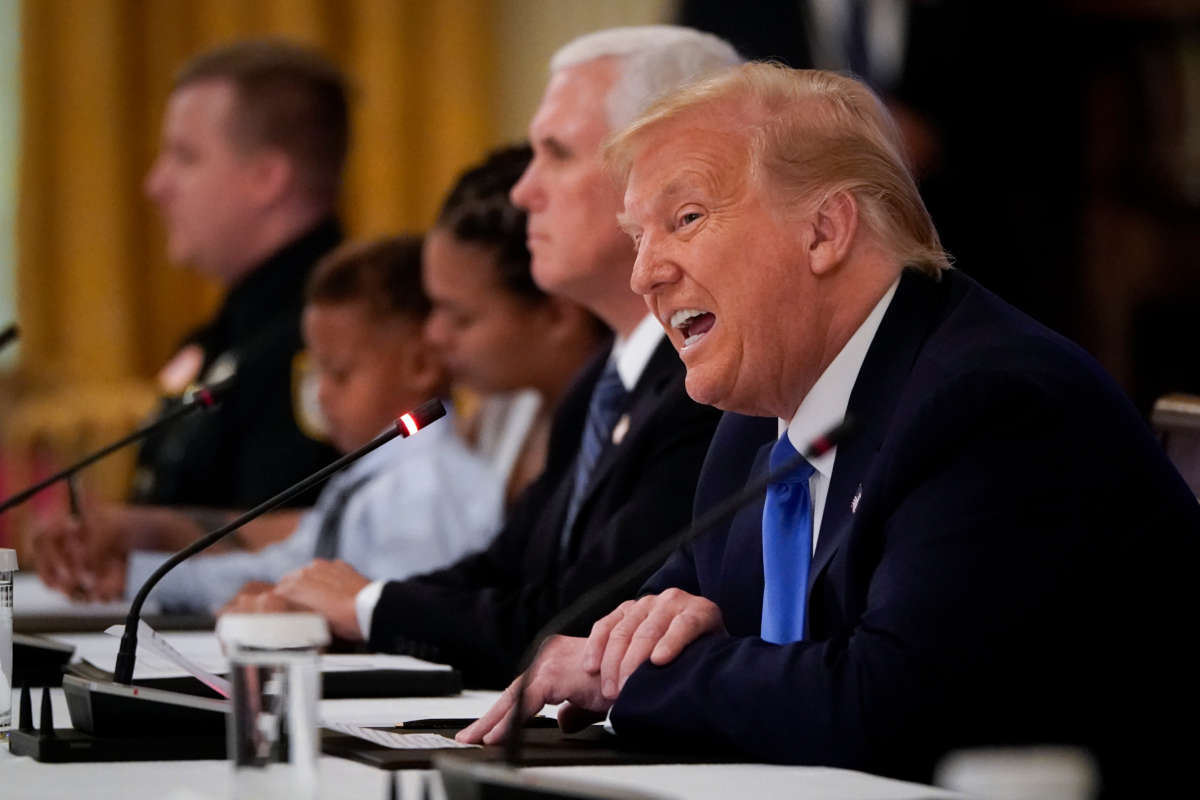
[
  {"x": 352, "y": 662},
  {"x": 149, "y": 638},
  {"x": 398, "y": 741}
]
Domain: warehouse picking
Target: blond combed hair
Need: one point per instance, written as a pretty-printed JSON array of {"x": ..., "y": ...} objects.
[{"x": 811, "y": 134}]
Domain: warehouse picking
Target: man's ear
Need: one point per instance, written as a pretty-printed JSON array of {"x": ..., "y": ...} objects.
[
  {"x": 272, "y": 174},
  {"x": 832, "y": 231}
]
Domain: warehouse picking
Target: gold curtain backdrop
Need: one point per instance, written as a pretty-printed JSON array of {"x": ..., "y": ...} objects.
[
  {"x": 100, "y": 308},
  {"x": 97, "y": 299}
]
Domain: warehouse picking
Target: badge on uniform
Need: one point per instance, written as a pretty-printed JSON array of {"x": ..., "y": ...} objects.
[
  {"x": 620, "y": 429},
  {"x": 224, "y": 366},
  {"x": 854, "y": 500},
  {"x": 306, "y": 409}
]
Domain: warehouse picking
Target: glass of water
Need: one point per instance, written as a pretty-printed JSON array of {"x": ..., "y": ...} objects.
[
  {"x": 8, "y": 565},
  {"x": 273, "y": 730}
]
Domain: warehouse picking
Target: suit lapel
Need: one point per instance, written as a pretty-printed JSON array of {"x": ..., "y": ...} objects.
[
  {"x": 663, "y": 365},
  {"x": 560, "y": 461},
  {"x": 911, "y": 316},
  {"x": 742, "y": 562}
]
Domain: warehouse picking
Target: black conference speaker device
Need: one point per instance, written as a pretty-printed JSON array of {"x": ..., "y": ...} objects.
[
  {"x": 38, "y": 660},
  {"x": 470, "y": 779},
  {"x": 116, "y": 719}
]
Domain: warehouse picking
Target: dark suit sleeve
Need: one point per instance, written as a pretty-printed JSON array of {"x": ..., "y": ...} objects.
[
  {"x": 985, "y": 554},
  {"x": 481, "y": 614}
]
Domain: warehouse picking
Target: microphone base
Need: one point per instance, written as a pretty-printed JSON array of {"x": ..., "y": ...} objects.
[
  {"x": 470, "y": 779},
  {"x": 109, "y": 709},
  {"x": 67, "y": 746},
  {"x": 38, "y": 661}
]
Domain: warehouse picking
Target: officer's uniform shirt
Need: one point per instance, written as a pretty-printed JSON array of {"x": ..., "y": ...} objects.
[{"x": 260, "y": 439}]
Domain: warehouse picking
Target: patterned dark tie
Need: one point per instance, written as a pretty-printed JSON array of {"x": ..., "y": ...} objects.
[
  {"x": 787, "y": 547},
  {"x": 608, "y": 401},
  {"x": 331, "y": 522}
]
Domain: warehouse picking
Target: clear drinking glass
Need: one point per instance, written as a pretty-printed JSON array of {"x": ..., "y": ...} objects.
[
  {"x": 273, "y": 734},
  {"x": 8, "y": 565}
]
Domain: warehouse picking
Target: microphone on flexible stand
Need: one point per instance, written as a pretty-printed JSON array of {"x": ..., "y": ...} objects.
[
  {"x": 466, "y": 776},
  {"x": 105, "y": 707},
  {"x": 195, "y": 400},
  {"x": 404, "y": 426}
]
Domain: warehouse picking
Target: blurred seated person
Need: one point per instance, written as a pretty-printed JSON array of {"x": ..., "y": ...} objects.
[
  {"x": 407, "y": 507},
  {"x": 254, "y": 140},
  {"x": 501, "y": 336}
]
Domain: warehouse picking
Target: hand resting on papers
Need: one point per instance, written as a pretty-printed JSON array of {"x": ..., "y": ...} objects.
[{"x": 588, "y": 674}]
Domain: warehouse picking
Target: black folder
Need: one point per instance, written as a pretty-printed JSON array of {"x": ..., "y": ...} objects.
[{"x": 544, "y": 746}]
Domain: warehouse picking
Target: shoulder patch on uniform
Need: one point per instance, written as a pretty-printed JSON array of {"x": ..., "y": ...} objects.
[
  {"x": 224, "y": 366},
  {"x": 306, "y": 408}
]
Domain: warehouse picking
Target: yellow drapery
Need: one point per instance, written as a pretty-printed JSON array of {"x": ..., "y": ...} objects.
[
  {"x": 99, "y": 307},
  {"x": 97, "y": 300}
]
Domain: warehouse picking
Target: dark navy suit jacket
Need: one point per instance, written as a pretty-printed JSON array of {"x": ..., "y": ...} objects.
[
  {"x": 1016, "y": 570},
  {"x": 481, "y": 613}
]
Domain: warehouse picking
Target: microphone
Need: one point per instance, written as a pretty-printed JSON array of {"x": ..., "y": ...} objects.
[
  {"x": 404, "y": 426},
  {"x": 202, "y": 397},
  {"x": 9, "y": 334}
]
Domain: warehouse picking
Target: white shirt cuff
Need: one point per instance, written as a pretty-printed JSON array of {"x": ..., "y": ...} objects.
[{"x": 364, "y": 606}]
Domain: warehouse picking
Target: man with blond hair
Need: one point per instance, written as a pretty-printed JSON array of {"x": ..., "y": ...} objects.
[{"x": 996, "y": 557}]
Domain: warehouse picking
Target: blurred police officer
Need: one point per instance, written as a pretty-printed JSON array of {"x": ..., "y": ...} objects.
[{"x": 254, "y": 140}]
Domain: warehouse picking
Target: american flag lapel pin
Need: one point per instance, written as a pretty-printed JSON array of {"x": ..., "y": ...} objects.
[
  {"x": 854, "y": 500},
  {"x": 620, "y": 429}
]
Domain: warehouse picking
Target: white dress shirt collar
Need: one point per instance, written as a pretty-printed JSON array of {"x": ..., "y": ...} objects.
[
  {"x": 826, "y": 402},
  {"x": 632, "y": 353}
]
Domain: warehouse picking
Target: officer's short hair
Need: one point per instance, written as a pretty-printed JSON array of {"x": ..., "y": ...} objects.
[
  {"x": 382, "y": 274},
  {"x": 287, "y": 97}
]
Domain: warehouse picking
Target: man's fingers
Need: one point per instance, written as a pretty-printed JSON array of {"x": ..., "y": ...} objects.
[
  {"x": 684, "y": 629},
  {"x": 291, "y": 585},
  {"x": 643, "y": 642},
  {"x": 265, "y": 602},
  {"x": 597, "y": 641},
  {"x": 475, "y": 732},
  {"x": 619, "y": 641}
]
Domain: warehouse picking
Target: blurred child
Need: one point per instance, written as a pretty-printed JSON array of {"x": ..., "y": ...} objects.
[{"x": 410, "y": 506}]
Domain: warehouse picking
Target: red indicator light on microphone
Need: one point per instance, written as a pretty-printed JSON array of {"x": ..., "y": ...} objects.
[
  {"x": 409, "y": 424},
  {"x": 413, "y": 421}
]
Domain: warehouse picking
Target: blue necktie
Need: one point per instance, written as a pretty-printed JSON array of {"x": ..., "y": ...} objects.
[
  {"x": 608, "y": 401},
  {"x": 787, "y": 548}
]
